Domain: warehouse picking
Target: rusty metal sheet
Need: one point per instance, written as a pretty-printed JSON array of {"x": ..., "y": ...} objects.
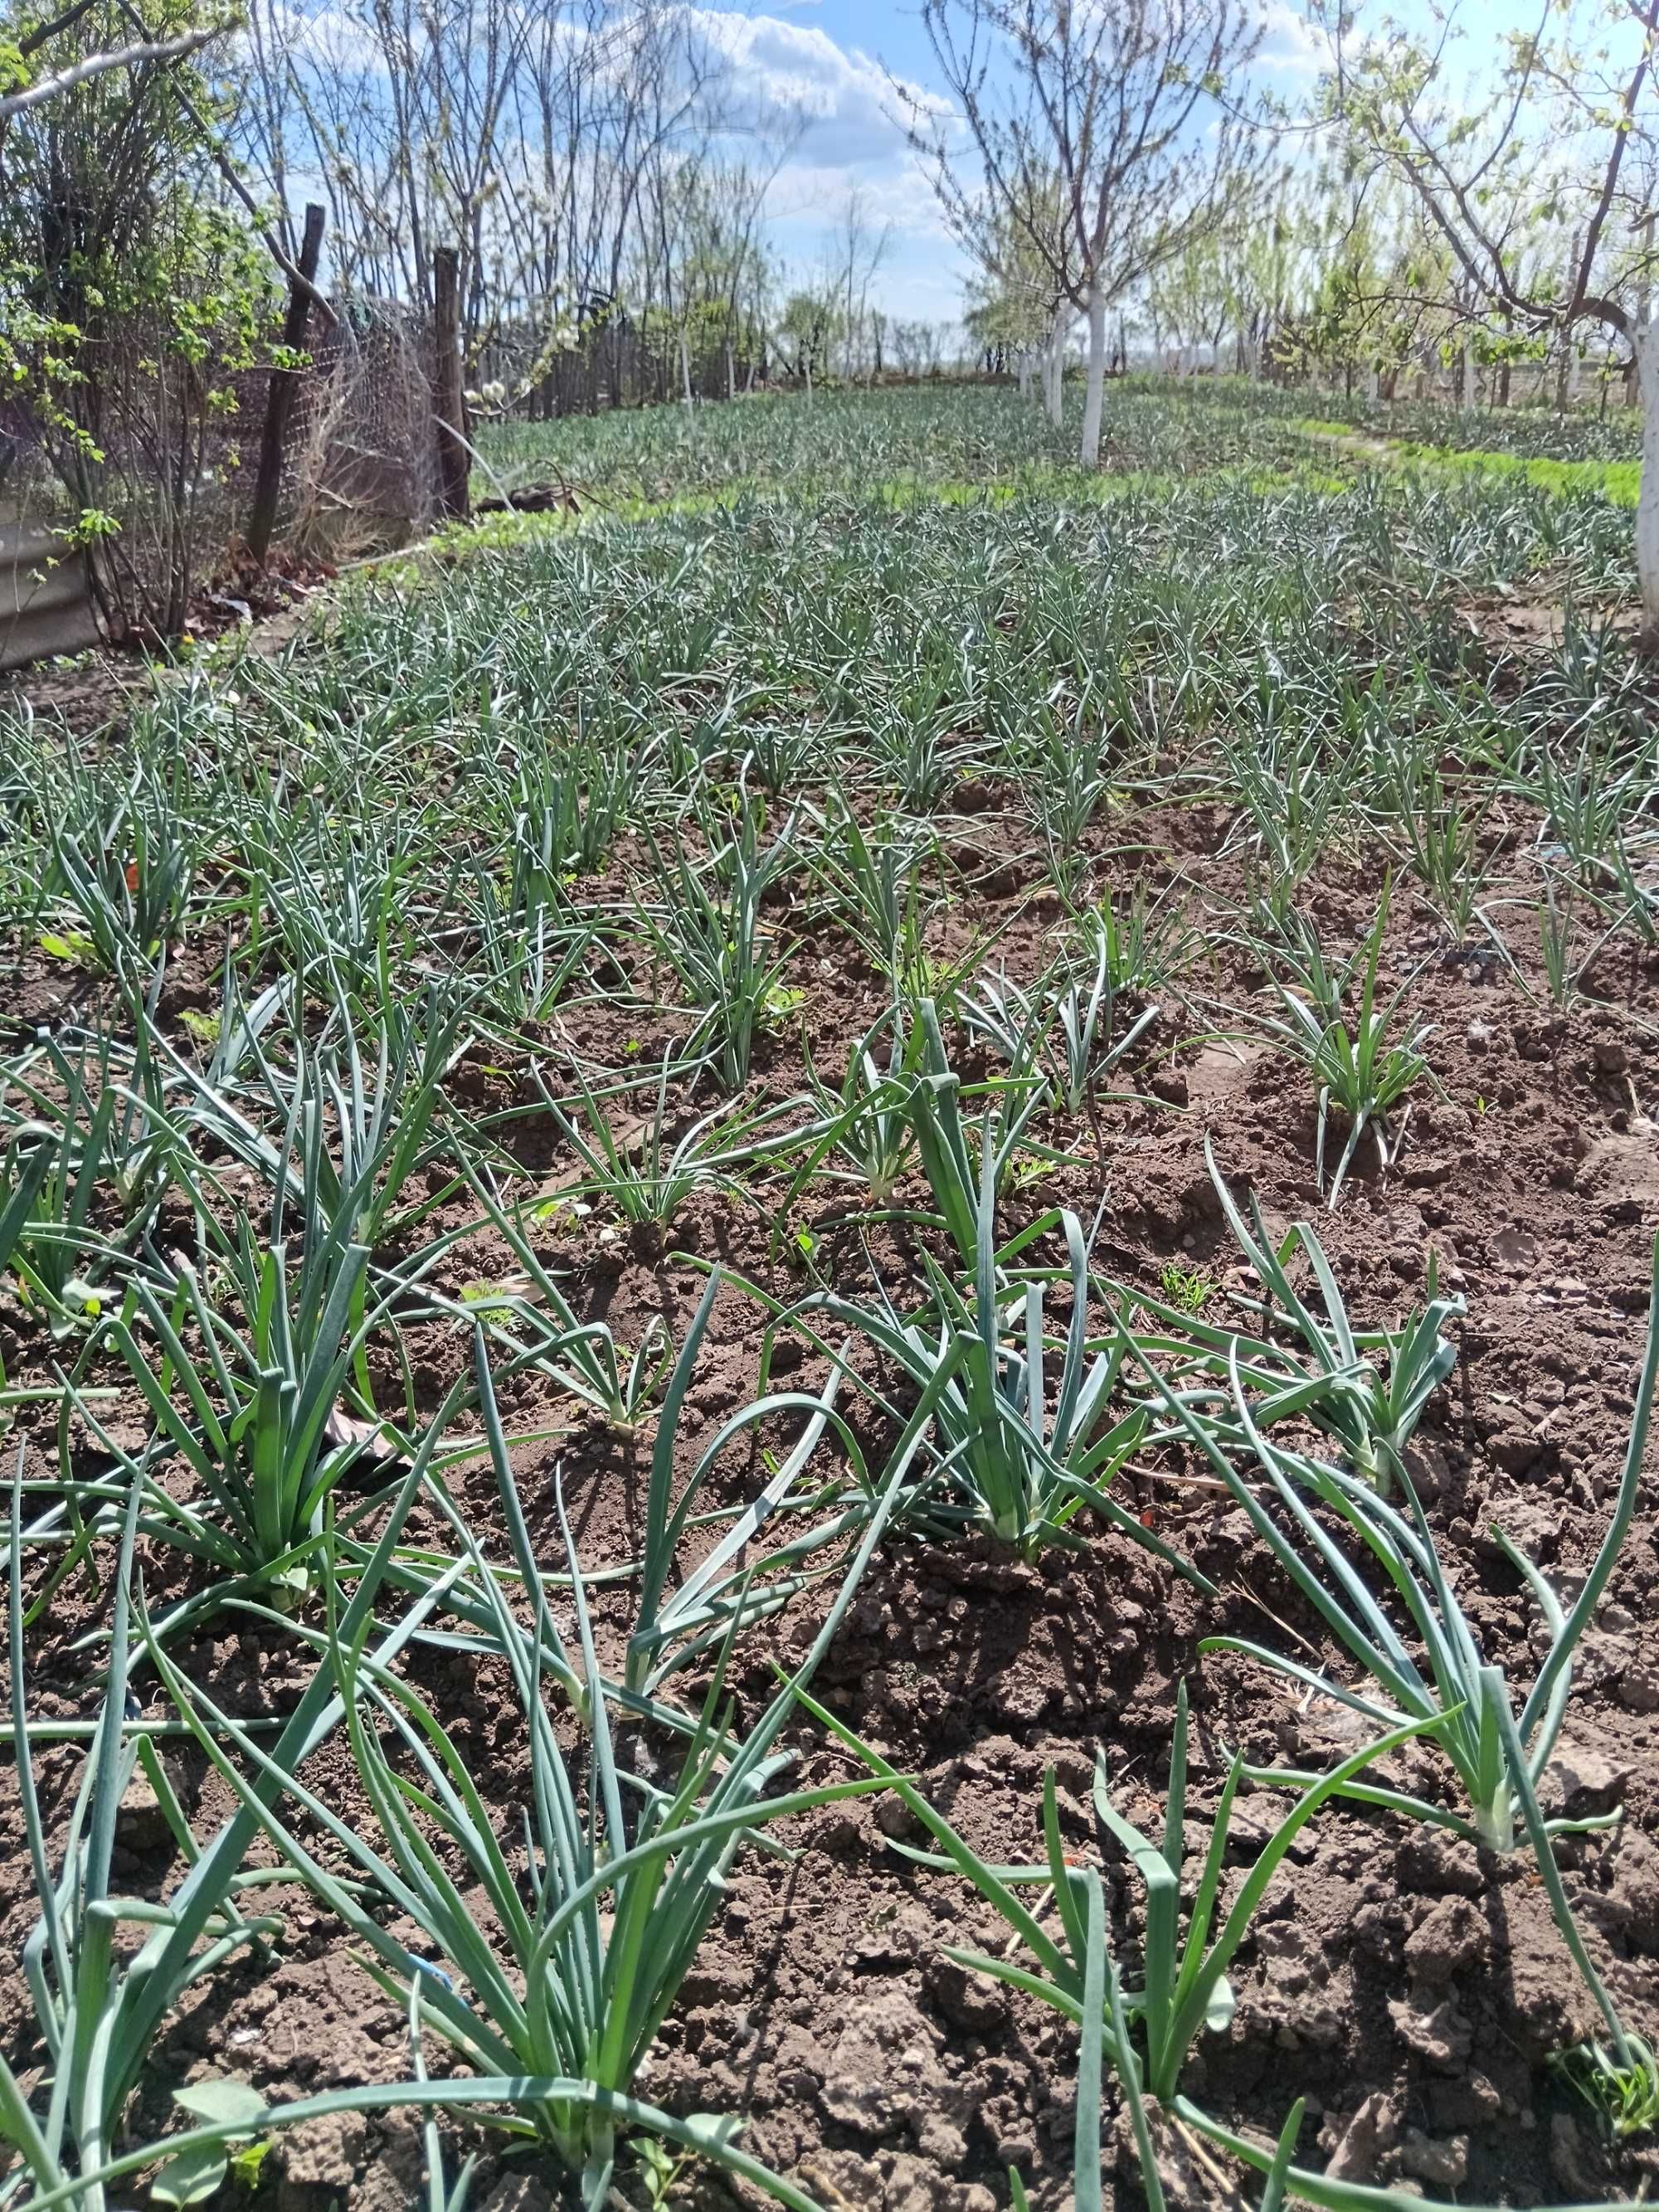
[{"x": 45, "y": 600}]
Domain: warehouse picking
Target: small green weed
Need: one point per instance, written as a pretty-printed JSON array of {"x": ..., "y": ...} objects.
[{"x": 1188, "y": 1289}]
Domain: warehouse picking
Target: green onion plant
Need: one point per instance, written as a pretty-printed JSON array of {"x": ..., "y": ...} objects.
[
  {"x": 1499, "y": 1754},
  {"x": 1367, "y": 1388},
  {"x": 99, "y": 2002},
  {"x": 1143, "y": 2034},
  {"x": 569, "y": 1970},
  {"x": 1364, "y": 1070},
  {"x": 649, "y": 1174},
  {"x": 706, "y": 927},
  {"x": 1009, "y": 1460}
]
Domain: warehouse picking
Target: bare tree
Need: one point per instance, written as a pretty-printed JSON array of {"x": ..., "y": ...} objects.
[
  {"x": 1134, "y": 107},
  {"x": 857, "y": 252},
  {"x": 556, "y": 146}
]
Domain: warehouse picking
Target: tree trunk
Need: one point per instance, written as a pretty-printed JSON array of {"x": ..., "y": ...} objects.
[
  {"x": 1645, "y": 341},
  {"x": 1466, "y": 397},
  {"x": 1566, "y": 385},
  {"x": 1641, "y": 378},
  {"x": 1025, "y": 374},
  {"x": 1095, "y": 390},
  {"x": 1053, "y": 369}
]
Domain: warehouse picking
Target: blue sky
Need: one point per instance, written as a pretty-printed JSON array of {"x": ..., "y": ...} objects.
[
  {"x": 829, "y": 57},
  {"x": 828, "y": 60}
]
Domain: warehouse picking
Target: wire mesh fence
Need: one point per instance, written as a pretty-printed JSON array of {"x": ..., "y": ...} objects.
[
  {"x": 360, "y": 453},
  {"x": 158, "y": 490}
]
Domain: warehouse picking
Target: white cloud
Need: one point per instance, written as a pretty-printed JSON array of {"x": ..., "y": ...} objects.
[
  {"x": 782, "y": 70},
  {"x": 900, "y": 198},
  {"x": 326, "y": 38},
  {"x": 854, "y": 131},
  {"x": 1292, "y": 44}
]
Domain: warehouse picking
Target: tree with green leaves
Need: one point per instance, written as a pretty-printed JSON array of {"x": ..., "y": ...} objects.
[
  {"x": 809, "y": 327},
  {"x": 1555, "y": 140},
  {"x": 1014, "y": 300},
  {"x": 130, "y": 294}
]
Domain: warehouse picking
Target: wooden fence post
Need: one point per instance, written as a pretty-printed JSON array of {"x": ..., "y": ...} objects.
[
  {"x": 448, "y": 397},
  {"x": 280, "y": 393}
]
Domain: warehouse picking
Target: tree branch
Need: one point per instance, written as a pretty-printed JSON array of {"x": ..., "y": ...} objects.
[
  {"x": 65, "y": 80},
  {"x": 34, "y": 40}
]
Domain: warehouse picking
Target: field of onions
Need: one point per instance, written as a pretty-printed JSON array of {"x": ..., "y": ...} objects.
[{"x": 827, "y": 1307}]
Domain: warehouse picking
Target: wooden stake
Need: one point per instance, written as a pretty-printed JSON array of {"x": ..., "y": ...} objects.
[
  {"x": 448, "y": 398},
  {"x": 280, "y": 394}
]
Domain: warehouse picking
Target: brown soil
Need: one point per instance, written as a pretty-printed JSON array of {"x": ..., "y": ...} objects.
[
  {"x": 263, "y": 609},
  {"x": 1410, "y": 1990}
]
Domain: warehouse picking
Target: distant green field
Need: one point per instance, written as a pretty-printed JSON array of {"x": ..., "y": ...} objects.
[{"x": 1620, "y": 481}]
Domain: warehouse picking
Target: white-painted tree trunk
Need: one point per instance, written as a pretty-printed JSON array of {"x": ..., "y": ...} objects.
[
  {"x": 1466, "y": 397},
  {"x": 1374, "y": 385},
  {"x": 1053, "y": 369},
  {"x": 1644, "y": 340},
  {"x": 685, "y": 370},
  {"x": 1566, "y": 388},
  {"x": 1574, "y": 375},
  {"x": 1024, "y": 366},
  {"x": 1094, "y": 396}
]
